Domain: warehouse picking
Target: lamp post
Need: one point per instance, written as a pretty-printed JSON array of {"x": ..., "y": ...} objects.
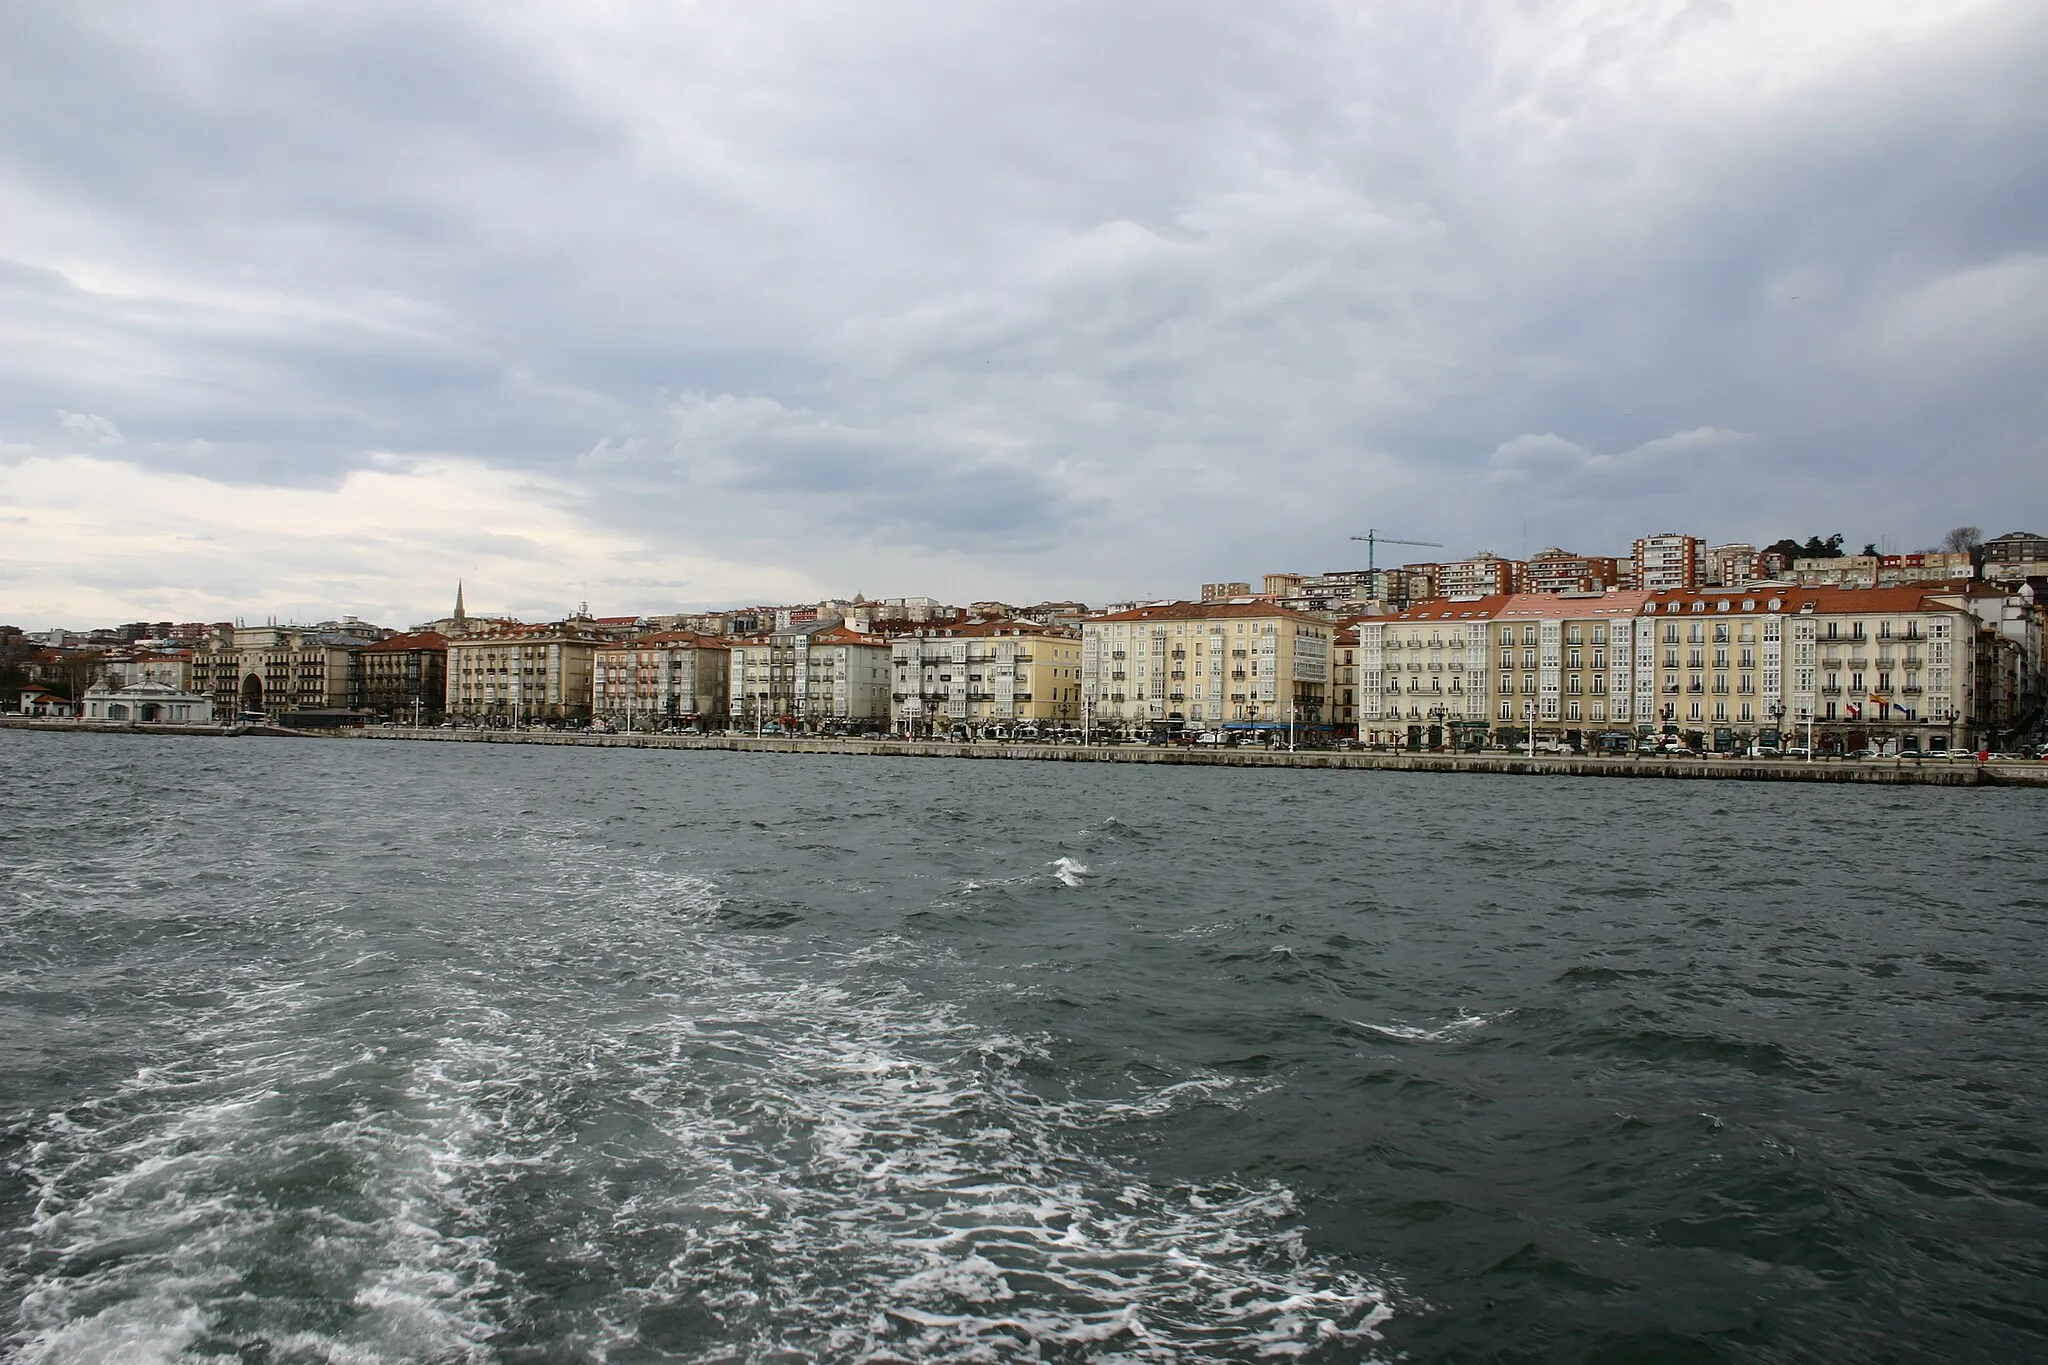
[
  {"x": 1776, "y": 711},
  {"x": 1949, "y": 717},
  {"x": 1529, "y": 720}
]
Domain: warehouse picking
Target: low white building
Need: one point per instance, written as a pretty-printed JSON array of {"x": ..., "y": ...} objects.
[{"x": 147, "y": 703}]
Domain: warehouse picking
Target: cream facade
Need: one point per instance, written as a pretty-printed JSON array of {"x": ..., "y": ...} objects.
[
  {"x": 1206, "y": 665},
  {"x": 274, "y": 669},
  {"x": 814, "y": 675},
  {"x": 523, "y": 676},
  {"x": 673, "y": 677},
  {"x": 1422, "y": 673},
  {"x": 985, "y": 674}
]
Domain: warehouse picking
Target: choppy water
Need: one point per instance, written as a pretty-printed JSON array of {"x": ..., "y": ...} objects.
[{"x": 381, "y": 1052}]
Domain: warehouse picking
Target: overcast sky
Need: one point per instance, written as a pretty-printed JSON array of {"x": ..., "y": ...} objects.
[{"x": 309, "y": 309}]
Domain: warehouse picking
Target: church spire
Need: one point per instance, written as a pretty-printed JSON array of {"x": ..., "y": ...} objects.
[{"x": 460, "y": 614}]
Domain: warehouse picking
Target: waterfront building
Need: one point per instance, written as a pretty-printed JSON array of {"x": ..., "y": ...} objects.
[
  {"x": 1556, "y": 570},
  {"x": 1882, "y": 666},
  {"x": 522, "y": 675},
  {"x": 1422, "y": 676},
  {"x": 1566, "y": 663},
  {"x": 1668, "y": 562},
  {"x": 271, "y": 670},
  {"x": 1247, "y": 663},
  {"x": 674, "y": 677},
  {"x": 813, "y": 675},
  {"x": 1344, "y": 678},
  {"x": 41, "y": 701},
  {"x": 146, "y": 703},
  {"x": 985, "y": 675},
  {"x": 405, "y": 677}
]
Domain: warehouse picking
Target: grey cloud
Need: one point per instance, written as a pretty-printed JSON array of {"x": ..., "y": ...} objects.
[{"x": 1084, "y": 299}]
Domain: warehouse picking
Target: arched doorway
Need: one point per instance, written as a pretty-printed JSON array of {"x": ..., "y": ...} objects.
[
  {"x": 252, "y": 693},
  {"x": 116, "y": 711},
  {"x": 151, "y": 713}
]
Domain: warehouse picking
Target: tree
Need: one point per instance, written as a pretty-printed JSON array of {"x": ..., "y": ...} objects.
[
  {"x": 1962, "y": 540},
  {"x": 1816, "y": 548},
  {"x": 1870, "y": 551}
]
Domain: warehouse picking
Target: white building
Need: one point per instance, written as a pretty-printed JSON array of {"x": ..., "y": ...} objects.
[
  {"x": 147, "y": 703},
  {"x": 814, "y": 675}
]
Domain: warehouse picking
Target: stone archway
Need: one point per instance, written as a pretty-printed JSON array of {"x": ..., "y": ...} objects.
[
  {"x": 150, "y": 713},
  {"x": 116, "y": 711},
  {"x": 252, "y": 693}
]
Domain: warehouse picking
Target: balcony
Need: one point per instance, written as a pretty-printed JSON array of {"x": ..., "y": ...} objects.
[
  {"x": 1831, "y": 690},
  {"x": 1911, "y": 690}
]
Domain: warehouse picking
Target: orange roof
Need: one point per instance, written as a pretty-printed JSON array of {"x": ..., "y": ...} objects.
[
  {"x": 1209, "y": 611},
  {"x": 1554, "y": 606},
  {"x": 1795, "y": 598},
  {"x": 1450, "y": 609}
]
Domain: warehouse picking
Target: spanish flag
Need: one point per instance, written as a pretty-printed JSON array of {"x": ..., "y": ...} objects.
[{"x": 1879, "y": 703}]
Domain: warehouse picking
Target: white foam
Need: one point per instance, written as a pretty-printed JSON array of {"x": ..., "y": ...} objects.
[
  {"x": 1462, "y": 1027},
  {"x": 808, "y": 1149}
]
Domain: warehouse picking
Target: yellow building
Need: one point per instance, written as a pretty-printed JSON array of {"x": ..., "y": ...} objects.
[
  {"x": 985, "y": 676},
  {"x": 1247, "y": 664},
  {"x": 523, "y": 675}
]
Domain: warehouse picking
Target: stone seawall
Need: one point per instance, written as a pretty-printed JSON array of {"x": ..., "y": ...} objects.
[
  {"x": 1928, "y": 772},
  {"x": 1940, "y": 773}
]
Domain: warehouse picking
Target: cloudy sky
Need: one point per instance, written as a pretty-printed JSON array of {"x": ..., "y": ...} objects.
[{"x": 309, "y": 309}]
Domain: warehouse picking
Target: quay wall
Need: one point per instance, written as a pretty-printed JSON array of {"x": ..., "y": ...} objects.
[{"x": 1925, "y": 772}]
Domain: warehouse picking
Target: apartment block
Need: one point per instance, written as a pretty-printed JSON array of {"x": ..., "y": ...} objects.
[
  {"x": 1556, "y": 570},
  {"x": 1206, "y": 665},
  {"x": 985, "y": 675},
  {"x": 524, "y": 675},
  {"x": 405, "y": 677},
  {"x": 1483, "y": 575},
  {"x": 673, "y": 677},
  {"x": 1669, "y": 562},
  {"x": 809, "y": 675}
]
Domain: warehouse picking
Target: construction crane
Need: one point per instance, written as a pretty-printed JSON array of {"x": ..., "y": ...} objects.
[{"x": 1373, "y": 540}]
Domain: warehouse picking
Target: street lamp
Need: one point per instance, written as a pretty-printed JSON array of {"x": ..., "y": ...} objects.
[
  {"x": 1776, "y": 712},
  {"x": 1529, "y": 718}
]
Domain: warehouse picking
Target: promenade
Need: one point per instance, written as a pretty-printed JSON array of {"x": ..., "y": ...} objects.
[
  {"x": 1929, "y": 772},
  {"x": 1936, "y": 772}
]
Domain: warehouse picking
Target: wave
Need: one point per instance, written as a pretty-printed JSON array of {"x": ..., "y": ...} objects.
[
  {"x": 769, "y": 1148},
  {"x": 1463, "y": 1027}
]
